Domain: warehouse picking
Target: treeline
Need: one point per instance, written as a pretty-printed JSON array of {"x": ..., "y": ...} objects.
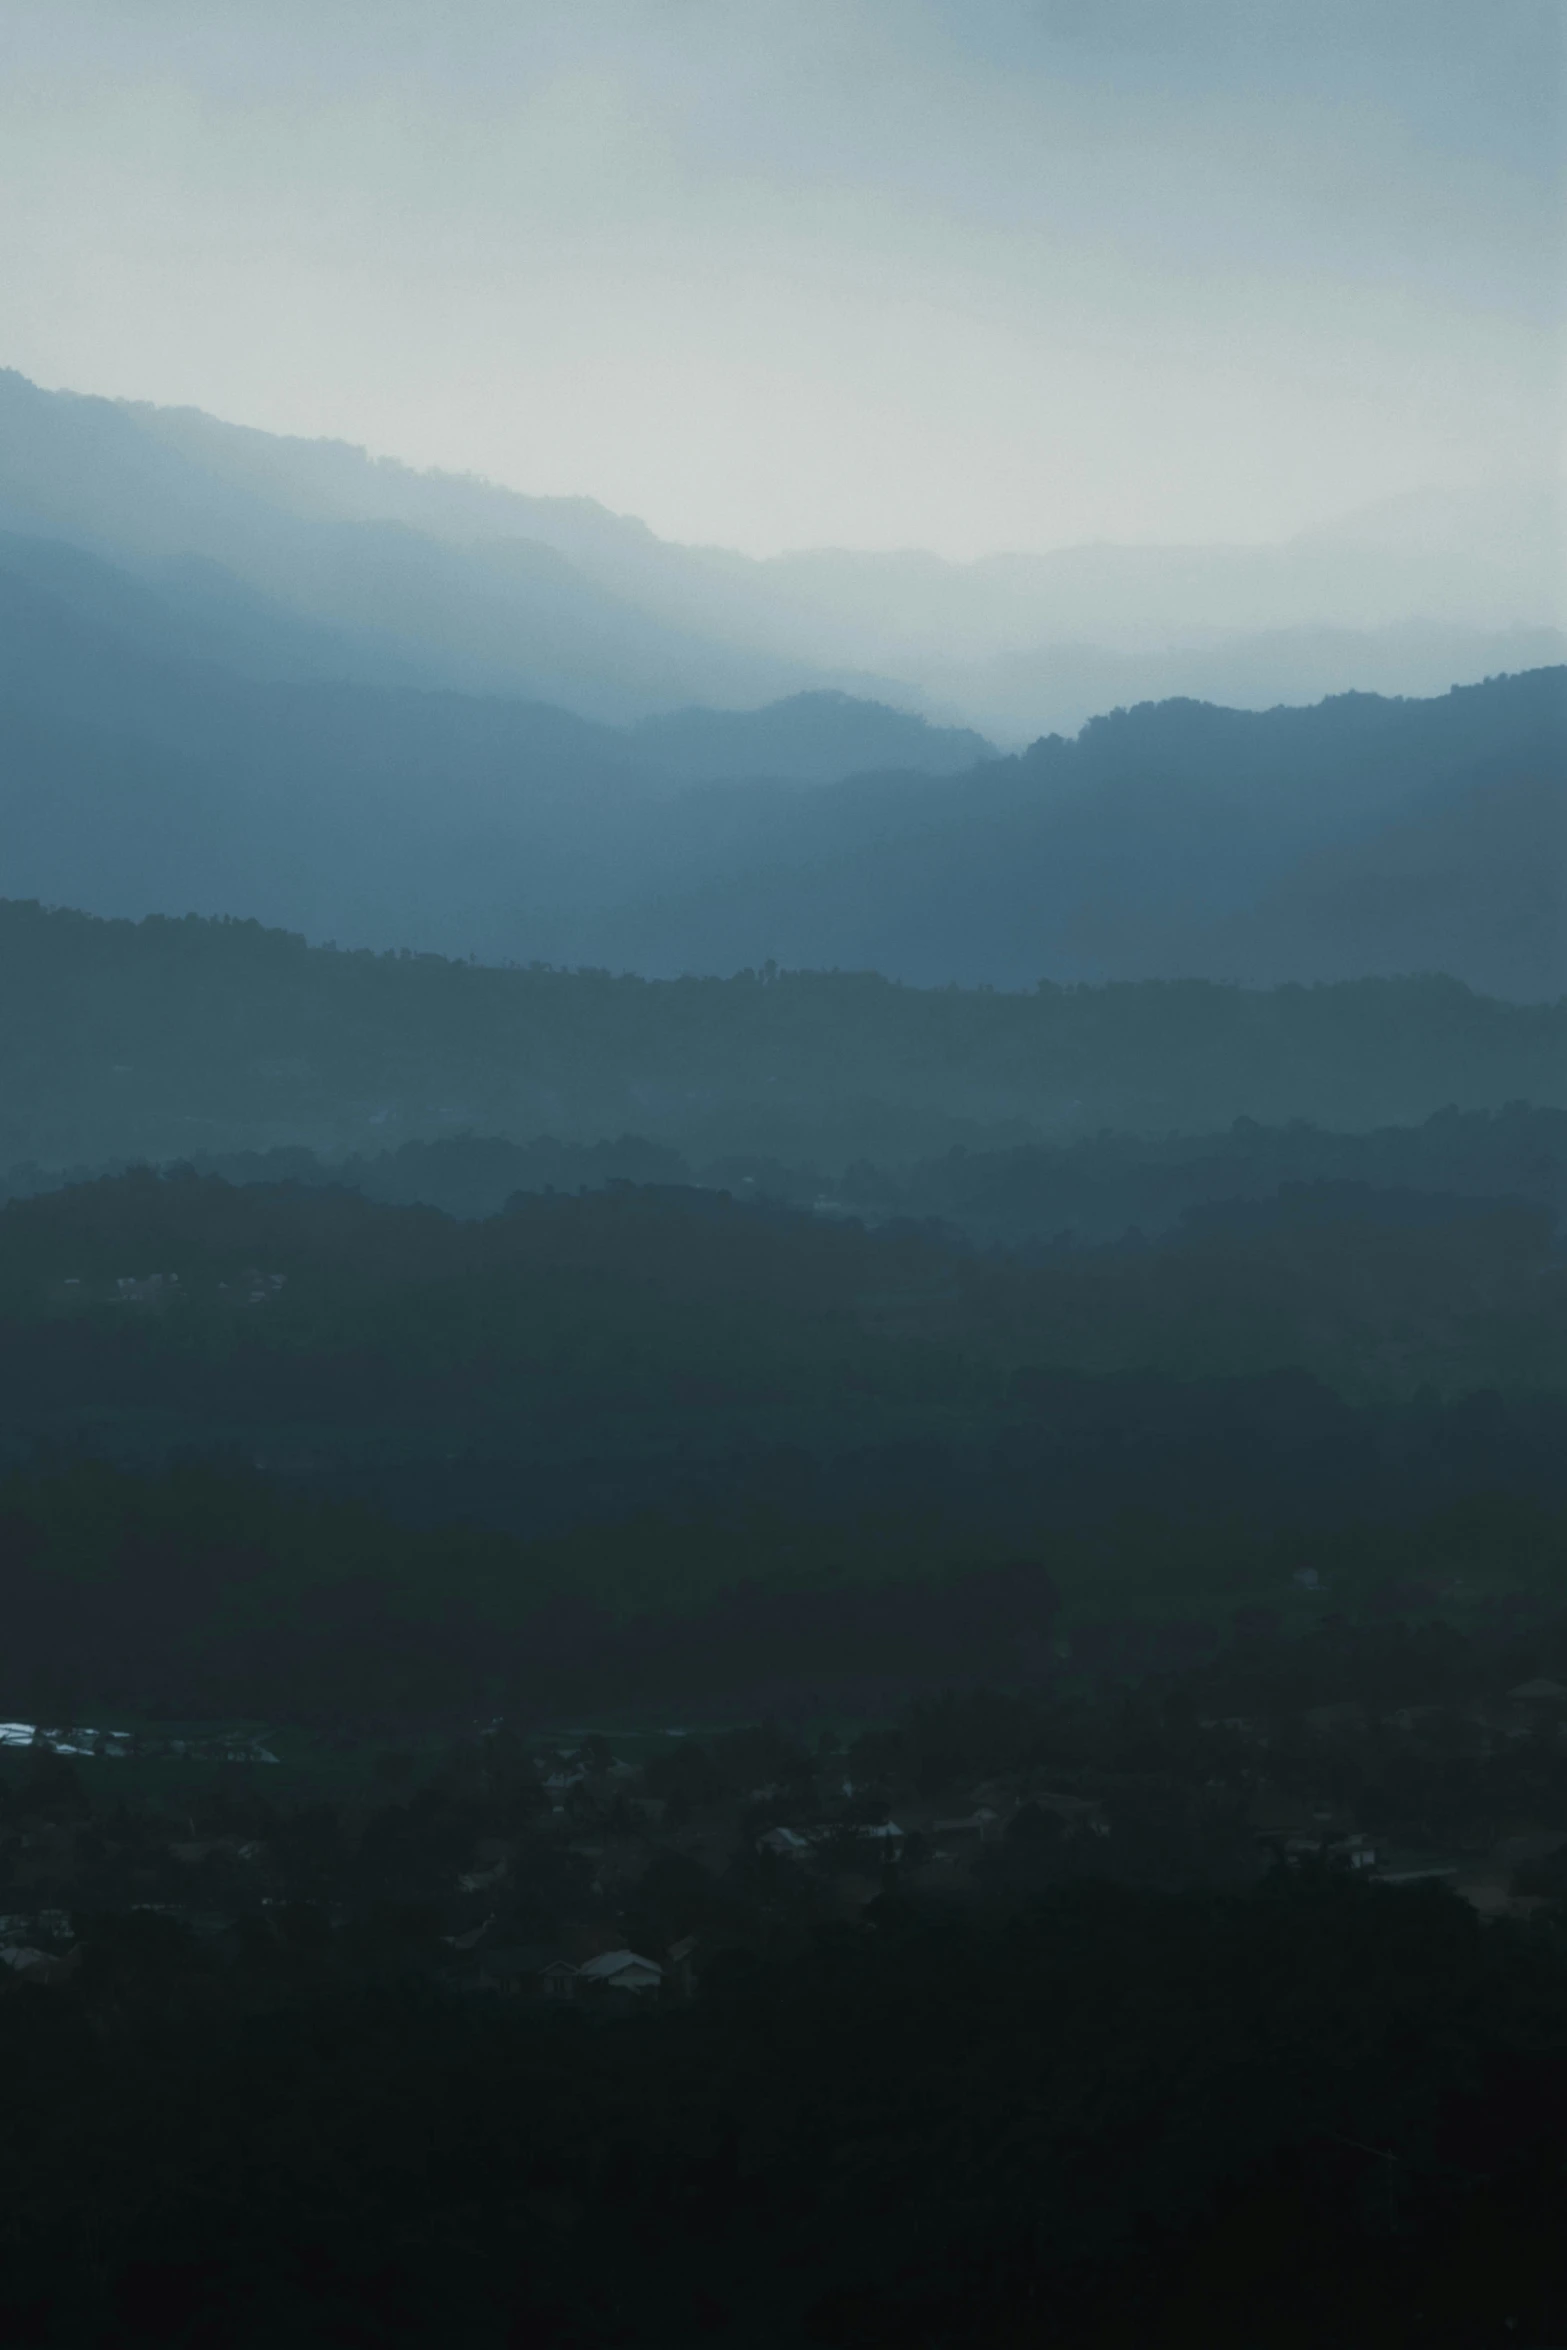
[
  {"x": 647, "y": 1298},
  {"x": 210, "y": 1593},
  {"x": 164, "y": 1037},
  {"x": 657, "y": 1446},
  {"x": 1090, "y": 1191}
]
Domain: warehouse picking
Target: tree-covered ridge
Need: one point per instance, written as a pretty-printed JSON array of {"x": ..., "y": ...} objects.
[
  {"x": 206, "y": 1592},
  {"x": 1024, "y": 1196},
  {"x": 1359, "y": 837},
  {"x": 162, "y": 1038},
  {"x": 639, "y": 1298},
  {"x": 644, "y": 1400}
]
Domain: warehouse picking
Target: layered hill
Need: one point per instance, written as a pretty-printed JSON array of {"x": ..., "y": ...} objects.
[
  {"x": 167, "y": 1038},
  {"x": 443, "y": 580},
  {"x": 250, "y": 676},
  {"x": 187, "y": 747},
  {"x": 1178, "y": 839}
]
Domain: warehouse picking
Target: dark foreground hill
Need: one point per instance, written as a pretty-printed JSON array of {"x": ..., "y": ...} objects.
[
  {"x": 652, "y": 1445},
  {"x": 167, "y": 1038},
  {"x": 1161, "y": 2115}
]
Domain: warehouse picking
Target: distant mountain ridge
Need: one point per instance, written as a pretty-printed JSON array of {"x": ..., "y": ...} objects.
[
  {"x": 440, "y": 580},
  {"x": 241, "y": 674},
  {"x": 164, "y": 749},
  {"x": 1177, "y": 839},
  {"x": 501, "y": 615},
  {"x": 200, "y": 620}
]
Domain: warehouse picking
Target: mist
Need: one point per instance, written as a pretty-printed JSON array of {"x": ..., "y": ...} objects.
[
  {"x": 783, "y": 1174},
  {"x": 998, "y": 277}
]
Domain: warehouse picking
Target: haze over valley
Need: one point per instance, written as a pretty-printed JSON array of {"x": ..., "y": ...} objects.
[{"x": 783, "y": 1174}]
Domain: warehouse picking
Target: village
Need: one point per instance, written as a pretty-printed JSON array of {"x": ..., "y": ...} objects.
[{"x": 612, "y": 1873}]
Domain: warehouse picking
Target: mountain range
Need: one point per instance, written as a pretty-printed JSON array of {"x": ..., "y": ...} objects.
[
  {"x": 241, "y": 675},
  {"x": 441, "y": 580}
]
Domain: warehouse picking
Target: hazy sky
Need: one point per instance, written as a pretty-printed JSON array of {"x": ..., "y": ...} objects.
[{"x": 966, "y": 274}]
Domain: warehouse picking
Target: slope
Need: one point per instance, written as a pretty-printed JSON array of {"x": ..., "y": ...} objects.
[
  {"x": 507, "y": 614},
  {"x": 163, "y": 750},
  {"x": 1146, "y": 846},
  {"x": 459, "y": 582},
  {"x": 159, "y": 1039}
]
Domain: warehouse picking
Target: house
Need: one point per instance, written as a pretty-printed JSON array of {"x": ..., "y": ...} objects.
[
  {"x": 477, "y": 1880},
  {"x": 1350, "y": 1851},
  {"x": 885, "y": 1833},
  {"x": 621, "y": 1970},
  {"x": 786, "y": 1843},
  {"x": 558, "y": 1979},
  {"x": 37, "y": 1966}
]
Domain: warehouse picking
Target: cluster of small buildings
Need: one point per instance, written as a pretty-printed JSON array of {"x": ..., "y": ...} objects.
[
  {"x": 811, "y": 1846},
  {"x": 253, "y": 1286},
  {"x": 608, "y": 1976},
  {"x": 38, "y": 1946},
  {"x": 1303, "y": 1834}
]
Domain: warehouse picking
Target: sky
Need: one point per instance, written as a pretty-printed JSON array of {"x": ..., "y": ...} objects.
[{"x": 963, "y": 274}]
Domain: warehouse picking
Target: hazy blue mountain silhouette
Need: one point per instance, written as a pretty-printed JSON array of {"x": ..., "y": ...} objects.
[
  {"x": 1362, "y": 835},
  {"x": 245, "y": 674},
  {"x": 1062, "y": 684},
  {"x": 1483, "y": 865},
  {"x": 165, "y": 746},
  {"x": 810, "y": 738},
  {"x": 1489, "y": 557},
  {"x": 498, "y": 614},
  {"x": 165, "y": 750},
  {"x": 445, "y": 581},
  {"x": 100, "y": 635}
]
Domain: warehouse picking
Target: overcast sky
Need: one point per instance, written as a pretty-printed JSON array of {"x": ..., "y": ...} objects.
[{"x": 966, "y": 274}]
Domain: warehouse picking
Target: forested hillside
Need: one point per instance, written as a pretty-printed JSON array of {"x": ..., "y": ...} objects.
[
  {"x": 1029, "y": 1196},
  {"x": 1360, "y": 836},
  {"x": 160, "y": 1039},
  {"x": 665, "y": 1405},
  {"x": 186, "y": 745}
]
